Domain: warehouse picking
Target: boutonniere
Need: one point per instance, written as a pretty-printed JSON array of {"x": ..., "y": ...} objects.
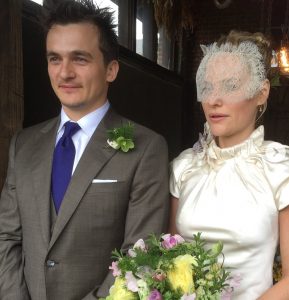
[{"x": 121, "y": 138}]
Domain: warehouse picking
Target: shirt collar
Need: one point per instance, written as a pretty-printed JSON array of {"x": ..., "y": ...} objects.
[{"x": 89, "y": 122}]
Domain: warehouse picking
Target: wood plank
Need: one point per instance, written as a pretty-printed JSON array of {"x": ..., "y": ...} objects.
[{"x": 11, "y": 77}]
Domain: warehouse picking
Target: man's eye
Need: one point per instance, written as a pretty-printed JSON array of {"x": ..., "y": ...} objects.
[
  {"x": 53, "y": 59},
  {"x": 80, "y": 59}
]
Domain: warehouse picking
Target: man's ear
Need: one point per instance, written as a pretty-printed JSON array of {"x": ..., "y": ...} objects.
[
  {"x": 112, "y": 70},
  {"x": 264, "y": 92}
]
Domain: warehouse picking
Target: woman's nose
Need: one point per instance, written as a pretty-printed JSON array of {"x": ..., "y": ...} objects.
[{"x": 213, "y": 98}]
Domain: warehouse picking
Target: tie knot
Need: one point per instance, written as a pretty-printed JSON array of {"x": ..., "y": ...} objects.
[{"x": 70, "y": 129}]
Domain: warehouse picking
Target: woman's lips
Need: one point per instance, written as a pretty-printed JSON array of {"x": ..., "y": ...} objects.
[{"x": 217, "y": 117}]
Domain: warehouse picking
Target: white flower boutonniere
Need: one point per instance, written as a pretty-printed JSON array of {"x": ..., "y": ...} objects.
[{"x": 121, "y": 138}]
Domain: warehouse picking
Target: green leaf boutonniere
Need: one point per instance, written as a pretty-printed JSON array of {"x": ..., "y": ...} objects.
[{"x": 121, "y": 137}]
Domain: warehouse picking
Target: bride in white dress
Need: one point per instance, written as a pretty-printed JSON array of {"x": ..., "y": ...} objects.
[{"x": 232, "y": 185}]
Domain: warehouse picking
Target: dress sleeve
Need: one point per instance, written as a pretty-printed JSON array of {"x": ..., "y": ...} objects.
[
  {"x": 177, "y": 168},
  {"x": 174, "y": 189},
  {"x": 277, "y": 169}
]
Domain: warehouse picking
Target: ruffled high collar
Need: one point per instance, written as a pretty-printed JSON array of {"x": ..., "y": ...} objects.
[{"x": 248, "y": 147}]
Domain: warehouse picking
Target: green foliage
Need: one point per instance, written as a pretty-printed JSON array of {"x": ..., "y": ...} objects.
[
  {"x": 125, "y": 131},
  {"x": 122, "y": 137}
]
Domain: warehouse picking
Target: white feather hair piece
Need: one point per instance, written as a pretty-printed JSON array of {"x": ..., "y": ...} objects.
[{"x": 249, "y": 55}]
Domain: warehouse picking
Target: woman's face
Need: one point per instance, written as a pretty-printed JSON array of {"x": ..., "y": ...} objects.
[{"x": 230, "y": 115}]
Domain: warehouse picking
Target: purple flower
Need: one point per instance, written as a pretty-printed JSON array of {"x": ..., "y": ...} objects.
[
  {"x": 155, "y": 295},
  {"x": 170, "y": 241},
  {"x": 115, "y": 269}
]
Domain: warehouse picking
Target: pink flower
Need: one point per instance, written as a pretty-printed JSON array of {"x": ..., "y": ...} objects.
[
  {"x": 233, "y": 283},
  {"x": 115, "y": 269},
  {"x": 170, "y": 241},
  {"x": 159, "y": 276},
  {"x": 155, "y": 295},
  {"x": 131, "y": 282},
  {"x": 189, "y": 297}
]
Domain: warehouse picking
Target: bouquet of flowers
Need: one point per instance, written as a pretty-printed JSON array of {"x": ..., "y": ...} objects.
[{"x": 169, "y": 268}]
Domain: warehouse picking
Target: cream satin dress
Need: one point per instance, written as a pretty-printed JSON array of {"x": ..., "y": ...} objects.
[{"x": 234, "y": 195}]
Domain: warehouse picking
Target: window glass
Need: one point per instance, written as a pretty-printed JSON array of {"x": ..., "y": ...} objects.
[
  {"x": 38, "y": 1},
  {"x": 151, "y": 42},
  {"x": 139, "y": 37},
  {"x": 113, "y": 5}
]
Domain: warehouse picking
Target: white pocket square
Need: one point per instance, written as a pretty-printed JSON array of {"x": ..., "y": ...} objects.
[{"x": 103, "y": 180}]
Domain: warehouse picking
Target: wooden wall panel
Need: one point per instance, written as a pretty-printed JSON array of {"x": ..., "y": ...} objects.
[{"x": 11, "y": 78}]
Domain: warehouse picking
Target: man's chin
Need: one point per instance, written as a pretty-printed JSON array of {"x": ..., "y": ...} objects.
[{"x": 72, "y": 105}]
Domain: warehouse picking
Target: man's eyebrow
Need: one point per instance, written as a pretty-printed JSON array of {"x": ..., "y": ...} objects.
[
  {"x": 72, "y": 53},
  {"x": 51, "y": 53},
  {"x": 81, "y": 53}
]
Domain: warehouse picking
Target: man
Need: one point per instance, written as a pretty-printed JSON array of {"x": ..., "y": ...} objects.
[{"x": 57, "y": 233}]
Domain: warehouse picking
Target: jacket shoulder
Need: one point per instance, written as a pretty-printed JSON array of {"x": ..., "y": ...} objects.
[
  {"x": 140, "y": 131},
  {"x": 31, "y": 132}
]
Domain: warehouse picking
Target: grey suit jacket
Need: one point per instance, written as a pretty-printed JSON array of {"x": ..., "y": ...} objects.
[{"x": 71, "y": 262}]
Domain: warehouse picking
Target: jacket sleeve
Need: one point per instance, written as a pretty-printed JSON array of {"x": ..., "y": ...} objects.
[{"x": 12, "y": 282}]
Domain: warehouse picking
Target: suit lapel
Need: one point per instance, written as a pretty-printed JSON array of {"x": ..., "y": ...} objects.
[
  {"x": 94, "y": 158},
  {"x": 41, "y": 172}
]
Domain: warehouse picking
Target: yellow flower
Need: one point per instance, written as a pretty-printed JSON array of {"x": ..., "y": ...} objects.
[
  {"x": 119, "y": 292},
  {"x": 181, "y": 276}
]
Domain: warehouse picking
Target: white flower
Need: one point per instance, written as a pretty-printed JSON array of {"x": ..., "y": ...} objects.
[
  {"x": 143, "y": 290},
  {"x": 113, "y": 144},
  {"x": 140, "y": 244}
]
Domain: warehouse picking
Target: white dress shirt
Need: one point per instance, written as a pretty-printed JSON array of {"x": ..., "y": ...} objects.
[{"x": 88, "y": 124}]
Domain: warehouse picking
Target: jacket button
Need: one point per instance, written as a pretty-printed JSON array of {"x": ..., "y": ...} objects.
[{"x": 50, "y": 263}]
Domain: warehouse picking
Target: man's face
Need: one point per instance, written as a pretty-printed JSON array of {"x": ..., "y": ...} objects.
[{"x": 76, "y": 68}]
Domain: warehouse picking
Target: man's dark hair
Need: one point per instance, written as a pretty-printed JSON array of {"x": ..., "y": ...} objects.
[{"x": 65, "y": 12}]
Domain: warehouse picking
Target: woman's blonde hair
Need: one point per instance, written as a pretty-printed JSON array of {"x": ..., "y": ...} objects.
[{"x": 259, "y": 39}]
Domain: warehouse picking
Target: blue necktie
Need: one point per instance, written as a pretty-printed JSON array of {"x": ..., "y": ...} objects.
[{"x": 63, "y": 159}]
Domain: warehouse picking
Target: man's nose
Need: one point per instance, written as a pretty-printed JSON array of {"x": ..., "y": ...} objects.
[{"x": 67, "y": 70}]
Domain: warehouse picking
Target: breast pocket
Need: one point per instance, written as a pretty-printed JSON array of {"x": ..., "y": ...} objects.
[{"x": 106, "y": 187}]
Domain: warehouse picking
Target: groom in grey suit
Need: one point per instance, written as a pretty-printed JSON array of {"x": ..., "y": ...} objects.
[{"x": 53, "y": 250}]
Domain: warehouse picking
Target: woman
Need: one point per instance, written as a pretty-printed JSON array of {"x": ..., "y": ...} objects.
[{"x": 232, "y": 185}]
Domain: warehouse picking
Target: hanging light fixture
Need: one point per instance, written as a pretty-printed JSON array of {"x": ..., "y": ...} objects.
[{"x": 284, "y": 61}]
